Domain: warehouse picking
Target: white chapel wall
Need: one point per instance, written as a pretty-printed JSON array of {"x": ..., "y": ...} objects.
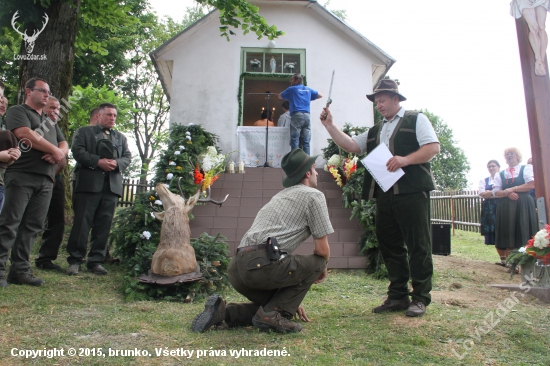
[{"x": 206, "y": 73}]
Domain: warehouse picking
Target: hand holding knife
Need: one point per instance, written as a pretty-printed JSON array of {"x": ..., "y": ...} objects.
[{"x": 329, "y": 101}]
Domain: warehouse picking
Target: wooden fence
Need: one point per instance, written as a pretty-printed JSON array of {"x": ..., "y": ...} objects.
[
  {"x": 130, "y": 188},
  {"x": 461, "y": 209}
]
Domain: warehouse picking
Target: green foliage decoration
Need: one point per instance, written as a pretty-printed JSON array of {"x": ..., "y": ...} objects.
[
  {"x": 171, "y": 161},
  {"x": 363, "y": 211},
  {"x": 518, "y": 258},
  {"x": 135, "y": 234}
]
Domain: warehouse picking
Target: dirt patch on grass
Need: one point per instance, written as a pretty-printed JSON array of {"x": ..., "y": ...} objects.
[{"x": 465, "y": 283}]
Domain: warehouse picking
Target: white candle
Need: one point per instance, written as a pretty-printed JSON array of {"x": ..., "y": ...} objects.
[
  {"x": 241, "y": 167},
  {"x": 231, "y": 167}
]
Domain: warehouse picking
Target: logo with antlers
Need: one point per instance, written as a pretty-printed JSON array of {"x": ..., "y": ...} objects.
[{"x": 29, "y": 40}]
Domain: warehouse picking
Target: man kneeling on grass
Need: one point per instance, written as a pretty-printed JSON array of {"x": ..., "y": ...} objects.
[{"x": 264, "y": 269}]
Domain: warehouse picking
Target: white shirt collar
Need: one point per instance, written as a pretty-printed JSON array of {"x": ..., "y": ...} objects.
[{"x": 400, "y": 113}]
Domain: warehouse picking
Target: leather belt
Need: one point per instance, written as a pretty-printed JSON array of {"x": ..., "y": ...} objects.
[{"x": 252, "y": 248}]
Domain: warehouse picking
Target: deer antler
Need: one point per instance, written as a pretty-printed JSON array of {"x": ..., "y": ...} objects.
[
  {"x": 179, "y": 187},
  {"x": 15, "y": 16},
  {"x": 208, "y": 199},
  {"x": 35, "y": 34}
]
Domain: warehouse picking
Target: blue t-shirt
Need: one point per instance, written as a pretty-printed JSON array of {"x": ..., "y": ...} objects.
[{"x": 298, "y": 97}]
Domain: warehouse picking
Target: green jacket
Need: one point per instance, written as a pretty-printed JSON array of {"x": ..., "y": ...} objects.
[{"x": 90, "y": 177}]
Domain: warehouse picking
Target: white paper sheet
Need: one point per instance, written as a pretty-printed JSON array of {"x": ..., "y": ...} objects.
[{"x": 375, "y": 162}]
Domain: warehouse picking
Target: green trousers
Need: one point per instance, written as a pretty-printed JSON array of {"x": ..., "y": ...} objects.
[
  {"x": 27, "y": 200},
  {"x": 270, "y": 284},
  {"x": 403, "y": 232}
]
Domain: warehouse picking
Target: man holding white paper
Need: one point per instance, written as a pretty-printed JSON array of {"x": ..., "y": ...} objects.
[{"x": 403, "y": 211}]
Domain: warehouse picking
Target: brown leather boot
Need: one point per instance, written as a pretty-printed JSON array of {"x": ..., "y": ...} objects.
[
  {"x": 273, "y": 320},
  {"x": 213, "y": 314}
]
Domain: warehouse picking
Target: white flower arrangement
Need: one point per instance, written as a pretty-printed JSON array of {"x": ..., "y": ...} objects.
[
  {"x": 290, "y": 65},
  {"x": 172, "y": 163},
  {"x": 542, "y": 239},
  {"x": 169, "y": 176},
  {"x": 177, "y": 152},
  {"x": 188, "y": 137},
  {"x": 255, "y": 63},
  {"x": 182, "y": 147},
  {"x": 212, "y": 160},
  {"x": 158, "y": 202},
  {"x": 335, "y": 161},
  {"x": 190, "y": 124},
  {"x": 145, "y": 235},
  {"x": 521, "y": 250}
]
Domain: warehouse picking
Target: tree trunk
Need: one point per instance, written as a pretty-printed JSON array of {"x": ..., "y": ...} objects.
[{"x": 57, "y": 42}]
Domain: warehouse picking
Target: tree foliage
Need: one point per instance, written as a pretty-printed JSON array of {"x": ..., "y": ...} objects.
[
  {"x": 240, "y": 13},
  {"x": 451, "y": 165},
  {"x": 340, "y": 13},
  {"x": 141, "y": 84},
  {"x": 83, "y": 100}
]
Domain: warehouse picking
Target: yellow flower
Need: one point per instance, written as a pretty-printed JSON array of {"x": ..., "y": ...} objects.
[
  {"x": 207, "y": 181},
  {"x": 178, "y": 167},
  {"x": 152, "y": 198},
  {"x": 166, "y": 171},
  {"x": 189, "y": 142},
  {"x": 336, "y": 176}
]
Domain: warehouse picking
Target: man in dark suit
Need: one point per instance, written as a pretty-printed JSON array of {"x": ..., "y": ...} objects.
[{"x": 103, "y": 155}]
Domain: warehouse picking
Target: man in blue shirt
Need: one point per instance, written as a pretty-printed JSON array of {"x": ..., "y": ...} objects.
[{"x": 299, "y": 98}]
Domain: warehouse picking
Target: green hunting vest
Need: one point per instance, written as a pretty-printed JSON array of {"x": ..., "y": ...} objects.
[{"x": 417, "y": 178}]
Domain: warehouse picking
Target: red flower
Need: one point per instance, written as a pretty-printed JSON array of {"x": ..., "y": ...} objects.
[{"x": 198, "y": 175}]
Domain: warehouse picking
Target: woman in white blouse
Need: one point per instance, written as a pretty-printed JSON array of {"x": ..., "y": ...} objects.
[
  {"x": 516, "y": 221},
  {"x": 489, "y": 205}
]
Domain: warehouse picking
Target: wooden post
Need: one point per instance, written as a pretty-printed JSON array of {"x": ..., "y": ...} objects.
[{"x": 537, "y": 100}]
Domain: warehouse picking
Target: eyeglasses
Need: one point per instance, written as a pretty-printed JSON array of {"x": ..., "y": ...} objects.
[
  {"x": 492, "y": 166},
  {"x": 44, "y": 91}
]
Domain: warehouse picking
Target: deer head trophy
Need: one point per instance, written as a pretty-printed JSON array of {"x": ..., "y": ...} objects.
[
  {"x": 29, "y": 40},
  {"x": 175, "y": 255}
]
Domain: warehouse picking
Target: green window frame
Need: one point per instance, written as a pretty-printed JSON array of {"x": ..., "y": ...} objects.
[{"x": 287, "y": 61}]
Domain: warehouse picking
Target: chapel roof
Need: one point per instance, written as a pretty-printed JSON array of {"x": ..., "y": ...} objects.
[{"x": 164, "y": 67}]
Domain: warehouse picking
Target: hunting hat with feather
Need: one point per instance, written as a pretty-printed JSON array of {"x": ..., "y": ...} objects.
[{"x": 386, "y": 85}]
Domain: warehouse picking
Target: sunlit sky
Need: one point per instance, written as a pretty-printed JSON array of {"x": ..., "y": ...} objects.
[{"x": 458, "y": 59}]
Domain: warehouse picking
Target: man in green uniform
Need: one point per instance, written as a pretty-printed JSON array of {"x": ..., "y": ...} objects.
[
  {"x": 402, "y": 212},
  {"x": 28, "y": 182},
  {"x": 103, "y": 155},
  {"x": 55, "y": 226},
  {"x": 264, "y": 269}
]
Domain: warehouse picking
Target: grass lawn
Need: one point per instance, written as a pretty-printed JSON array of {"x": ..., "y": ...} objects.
[{"x": 468, "y": 323}]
